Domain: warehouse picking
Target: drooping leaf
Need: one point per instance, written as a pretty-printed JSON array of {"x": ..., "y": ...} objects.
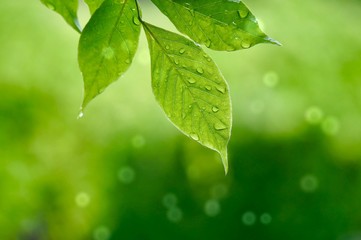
[
  {"x": 107, "y": 45},
  {"x": 225, "y": 25},
  {"x": 190, "y": 89},
  {"x": 67, "y": 9},
  {"x": 93, "y": 4}
]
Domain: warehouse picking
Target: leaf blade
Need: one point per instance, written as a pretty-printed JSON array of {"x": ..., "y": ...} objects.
[
  {"x": 93, "y": 4},
  {"x": 220, "y": 25},
  {"x": 67, "y": 9},
  {"x": 107, "y": 47},
  {"x": 190, "y": 89}
]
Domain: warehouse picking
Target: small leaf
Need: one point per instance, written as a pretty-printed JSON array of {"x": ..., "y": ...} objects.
[
  {"x": 190, "y": 89},
  {"x": 67, "y": 9},
  {"x": 93, "y": 4},
  {"x": 107, "y": 45},
  {"x": 225, "y": 25}
]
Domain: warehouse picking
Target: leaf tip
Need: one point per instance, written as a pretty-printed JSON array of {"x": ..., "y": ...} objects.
[
  {"x": 273, "y": 41},
  {"x": 224, "y": 156}
]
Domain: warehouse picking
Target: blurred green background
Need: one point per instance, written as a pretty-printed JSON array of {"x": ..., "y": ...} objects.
[{"x": 124, "y": 172}]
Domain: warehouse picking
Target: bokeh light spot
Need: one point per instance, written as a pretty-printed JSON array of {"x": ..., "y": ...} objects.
[
  {"x": 270, "y": 79},
  {"x": 265, "y": 218},
  {"x": 330, "y": 126},
  {"x": 309, "y": 183},
  {"x": 249, "y": 218},
  {"x": 82, "y": 199},
  {"x": 212, "y": 208},
  {"x": 126, "y": 175},
  {"x": 101, "y": 233},
  {"x": 170, "y": 200},
  {"x": 138, "y": 141},
  {"x": 174, "y": 214},
  {"x": 313, "y": 115}
]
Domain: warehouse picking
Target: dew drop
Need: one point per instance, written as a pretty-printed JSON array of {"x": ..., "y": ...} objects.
[
  {"x": 127, "y": 61},
  {"x": 176, "y": 61},
  {"x": 191, "y": 80},
  {"x": 182, "y": 50},
  {"x": 219, "y": 126},
  {"x": 194, "y": 136},
  {"x": 81, "y": 114},
  {"x": 136, "y": 20},
  {"x": 209, "y": 88},
  {"x": 50, "y": 6},
  {"x": 221, "y": 89},
  {"x": 246, "y": 44},
  {"x": 209, "y": 59},
  {"x": 215, "y": 109},
  {"x": 167, "y": 47},
  {"x": 208, "y": 43},
  {"x": 242, "y": 13},
  {"x": 200, "y": 70}
]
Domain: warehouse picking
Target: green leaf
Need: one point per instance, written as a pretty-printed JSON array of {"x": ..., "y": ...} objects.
[
  {"x": 225, "y": 25},
  {"x": 93, "y": 4},
  {"x": 67, "y": 9},
  {"x": 107, "y": 45},
  {"x": 190, "y": 89}
]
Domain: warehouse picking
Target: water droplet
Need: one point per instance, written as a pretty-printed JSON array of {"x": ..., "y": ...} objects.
[
  {"x": 265, "y": 218},
  {"x": 221, "y": 89},
  {"x": 167, "y": 47},
  {"x": 219, "y": 126},
  {"x": 136, "y": 20},
  {"x": 194, "y": 136},
  {"x": 126, "y": 175},
  {"x": 242, "y": 13},
  {"x": 108, "y": 52},
  {"x": 101, "y": 90},
  {"x": 50, "y": 6},
  {"x": 182, "y": 50},
  {"x": 215, "y": 109},
  {"x": 212, "y": 208},
  {"x": 209, "y": 88},
  {"x": 209, "y": 59},
  {"x": 82, "y": 199},
  {"x": 190, "y": 106},
  {"x": 127, "y": 61},
  {"x": 81, "y": 114},
  {"x": 249, "y": 218},
  {"x": 208, "y": 43},
  {"x": 246, "y": 44},
  {"x": 200, "y": 70},
  {"x": 176, "y": 61},
  {"x": 191, "y": 80}
]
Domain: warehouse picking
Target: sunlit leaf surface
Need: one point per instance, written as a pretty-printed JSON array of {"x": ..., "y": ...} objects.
[
  {"x": 107, "y": 45},
  {"x": 190, "y": 89},
  {"x": 220, "y": 25},
  {"x": 66, "y": 8},
  {"x": 93, "y": 4}
]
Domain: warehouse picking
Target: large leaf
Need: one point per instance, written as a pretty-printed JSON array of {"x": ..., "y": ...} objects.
[
  {"x": 67, "y": 9},
  {"x": 220, "y": 25},
  {"x": 93, "y": 4},
  {"x": 190, "y": 89},
  {"x": 107, "y": 45}
]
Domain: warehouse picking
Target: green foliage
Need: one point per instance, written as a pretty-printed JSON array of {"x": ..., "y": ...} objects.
[
  {"x": 67, "y": 9},
  {"x": 186, "y": 82}
]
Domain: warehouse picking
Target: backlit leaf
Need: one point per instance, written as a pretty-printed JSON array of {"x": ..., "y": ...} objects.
[
  {"x": 190, "y": 89},
  {"x": 225, "y": 25},
  {"x": 93, "y": 4},
  {"x": 67, "y": 9},
  {"x": 107, "y": 45}
]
